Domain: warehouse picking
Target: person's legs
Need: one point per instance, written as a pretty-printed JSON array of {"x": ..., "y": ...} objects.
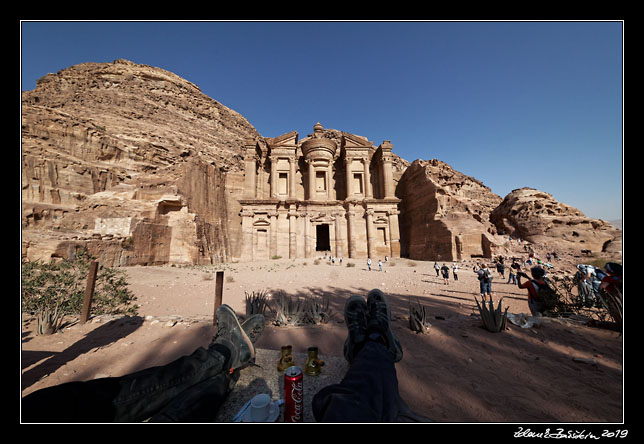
[
  {"x": 369, "y": 390},
  {"x": 139, "y": 395}
]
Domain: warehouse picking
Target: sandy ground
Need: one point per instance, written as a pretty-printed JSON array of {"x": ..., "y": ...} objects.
[{"x": 561, "y": 371}]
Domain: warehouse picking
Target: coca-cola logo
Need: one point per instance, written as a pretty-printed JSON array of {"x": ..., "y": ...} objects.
[{"x": 297, "y": 394}]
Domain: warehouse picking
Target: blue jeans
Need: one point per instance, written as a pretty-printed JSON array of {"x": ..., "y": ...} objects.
[{"x": 191, "y": 389}]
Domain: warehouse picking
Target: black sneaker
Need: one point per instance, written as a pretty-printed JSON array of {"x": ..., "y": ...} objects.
[
  {"x": 231, "y": 335},
  {"x": 379, "y": 316},
  {"x": 355, "y": 318}
]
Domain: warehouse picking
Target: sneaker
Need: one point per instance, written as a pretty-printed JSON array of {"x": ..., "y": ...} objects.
[
  {"x": 355, "y": 318},
  {"x": 231, "y": 335},
  {"x": 379, "y": 316},
  {"x": 253, "y": 327}
]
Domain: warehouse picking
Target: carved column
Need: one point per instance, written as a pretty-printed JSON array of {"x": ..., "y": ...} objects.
[
  {"x": 291, "y": 178},
  {"x": 351, "y": 235},
  {"x": 347, "y": 163},
  {"x": 311, "y": 179},
  {"x": 292, "y": 234},
  {"x": 370, "y": 240},
  {"x": 273, "y": 241},
  {"x": 394, "y": 233},
  {"x": 338, "y": 234},
  {"x": 248, "y": 247},
  {"x": 329, "y": 174},
  {"x": 273, "y": 177},
  {"x": 387, "y": 176},
  {"x": 307, "y": 235},
  {"x": 367, "y": 179}
]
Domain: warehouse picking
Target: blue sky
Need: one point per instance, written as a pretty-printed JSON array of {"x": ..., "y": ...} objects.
[{"x": 513, "y": 104}]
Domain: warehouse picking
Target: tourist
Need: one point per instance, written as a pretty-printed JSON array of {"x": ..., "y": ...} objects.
[
  {"x": 536, "y": 304},
  {"x": 500, "y": 268},
  {"x": 612, "y": 281},
  {"x": 455, "y": 271},
  {"x": 369, "y": 263},
  {"x": 512, "y": 274},
  {"x": 485, "y": 282},
  {"x": 437, "y": 268},
  {"x": 193, "y": 388},
  {"x": 379, "y": 265},
  {"x": 445, "y": 271}
]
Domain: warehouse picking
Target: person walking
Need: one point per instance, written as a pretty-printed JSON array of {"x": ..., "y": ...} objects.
[{"x": 455, "y": 271}]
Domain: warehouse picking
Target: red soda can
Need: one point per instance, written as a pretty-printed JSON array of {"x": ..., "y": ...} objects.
[{"x": 293, "y": 395}]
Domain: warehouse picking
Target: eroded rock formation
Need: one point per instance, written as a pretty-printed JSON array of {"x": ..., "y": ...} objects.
[
  {"x": 133, "y": 163},
  {"x": 444, "y": 214},
  {"x": 537, "y": 217}
]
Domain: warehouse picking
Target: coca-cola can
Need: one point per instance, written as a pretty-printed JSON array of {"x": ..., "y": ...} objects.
[{"x": 293, "y": 395}]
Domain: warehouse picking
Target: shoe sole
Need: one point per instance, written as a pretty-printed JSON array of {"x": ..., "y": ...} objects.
[
  {"x": 348, "y": 343},
  {"x": 392, "y": 340},
  {"x": 246, "y": 343}
]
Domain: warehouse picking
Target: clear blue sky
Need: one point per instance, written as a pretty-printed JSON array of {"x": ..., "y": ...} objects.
[{"x": 513, "y": 104}]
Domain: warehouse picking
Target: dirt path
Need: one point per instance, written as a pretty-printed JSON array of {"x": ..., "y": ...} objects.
[{"x": 560, "y": 371}]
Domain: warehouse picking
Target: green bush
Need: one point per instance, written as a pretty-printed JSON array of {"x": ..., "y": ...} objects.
[{"x": 56, "y": 289}]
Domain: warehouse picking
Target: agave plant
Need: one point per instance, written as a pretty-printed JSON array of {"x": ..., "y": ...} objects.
[
  {"x": 418, "y": 318},
  {"x": 494, "y": 319},
  {"x": 256, "y": 302}
]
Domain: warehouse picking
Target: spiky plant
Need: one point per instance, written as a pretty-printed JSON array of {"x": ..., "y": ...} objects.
[
  {"x": 256, "y": 302},
  {"x": 494, "y": 319},
  {"x": 418, "y": 318}
]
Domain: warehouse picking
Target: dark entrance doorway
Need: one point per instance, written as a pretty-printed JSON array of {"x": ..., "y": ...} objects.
[{"x": 322, "y": 238}]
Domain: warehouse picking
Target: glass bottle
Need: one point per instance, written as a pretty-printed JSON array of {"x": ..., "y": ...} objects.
[
  {"x": 286, "y": 358},
  {"x": 313, "y": 364}
]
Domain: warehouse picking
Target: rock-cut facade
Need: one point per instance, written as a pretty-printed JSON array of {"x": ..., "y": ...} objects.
[{"x": 330, "y": 193}]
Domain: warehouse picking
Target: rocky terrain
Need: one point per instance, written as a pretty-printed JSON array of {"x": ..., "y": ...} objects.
[{"x": 139, "y": 167}]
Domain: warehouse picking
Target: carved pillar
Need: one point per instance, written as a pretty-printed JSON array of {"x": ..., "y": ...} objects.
[
  {"x": 387, "y": 176},
  {"x": 273, "y": 241},
  {"x": 338, "y": 234},
  {"x": 329, "y": 174},
  {"x": 367, "y": 179},
  {"x": 273, "y": 177},
  {"x": 351, "y": 235},
  {"x": 394, "y": 233},
  {"x": 248, "y": 246},
  {"x": 292, "y": 234},
  {"x": 291, "y": 178},
  {"x": 347, "y": 163},
  {"x": 311, "y": 179},
  {"x": 250, "y": 165},
  {"x": 307, "y": 235},
  {"x": 370, "y": 240}
]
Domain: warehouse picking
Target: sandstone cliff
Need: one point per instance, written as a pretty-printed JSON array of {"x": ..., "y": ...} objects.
[
  {"x": 140, "y": 167},
  {"x": 537, "y": 217},
  {"x": 133, "y": 163},
  {"x": 444, "y": 214}
]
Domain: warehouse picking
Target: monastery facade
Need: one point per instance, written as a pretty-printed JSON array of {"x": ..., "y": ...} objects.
[{"x": 330, "y": 192}]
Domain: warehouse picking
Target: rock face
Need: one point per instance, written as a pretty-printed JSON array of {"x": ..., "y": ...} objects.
[
  {"x": 537, "y": 217},
  {"x": 133, "y": 163},
  {"x": 444, "y": 214},
  {"x": 136, "y": 165}
]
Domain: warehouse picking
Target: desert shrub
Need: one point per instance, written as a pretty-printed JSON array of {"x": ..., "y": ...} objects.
[
  {"x": 300, "y": 311},
  {"x": 56, "y": 289},
  {"x": 350, "y": 264}
]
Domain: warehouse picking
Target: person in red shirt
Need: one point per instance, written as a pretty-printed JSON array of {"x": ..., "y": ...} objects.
[{"x": 535, "y": 303}]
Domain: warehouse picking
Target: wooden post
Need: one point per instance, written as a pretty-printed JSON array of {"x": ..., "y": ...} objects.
[
  {"x": 89, "y": 291},
  {"x": 219, "y": 290}
]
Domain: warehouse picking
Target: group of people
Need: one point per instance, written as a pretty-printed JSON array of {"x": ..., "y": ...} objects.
[
  {"x": 379, "y": 263},
  {"x": 590, "y": 280},
  {"x": 444, "y": 271}
]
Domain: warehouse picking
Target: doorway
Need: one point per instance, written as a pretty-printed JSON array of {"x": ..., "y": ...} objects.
[{"x": 322, "y": 242}]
